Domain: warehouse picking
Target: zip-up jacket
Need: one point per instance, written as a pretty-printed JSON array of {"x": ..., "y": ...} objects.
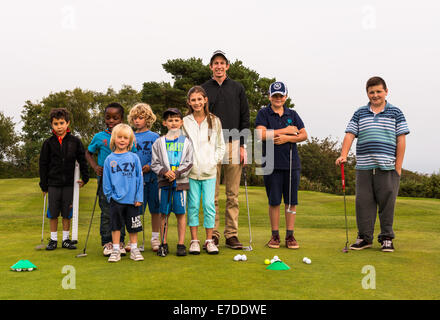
[
  {"x": 207, "y": 152},
  {"x": 57, "y": 161},
  {"x": 161, "y": 165}
]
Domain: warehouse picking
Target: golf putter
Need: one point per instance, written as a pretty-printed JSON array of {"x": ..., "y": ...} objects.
[
  {"x": 249, "y": 248},
  {"x": 84, "y": 254},
  {"x": 41, "y": 245},
  {"x": 290, "y": 182},
  {"x": 161, "y": 252},
  {"x": 345, "y": 250}
]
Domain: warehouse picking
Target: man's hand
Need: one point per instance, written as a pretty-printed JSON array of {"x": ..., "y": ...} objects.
[
  {"x": 146, "y": 168},
  {"x": 243, "y": 155},
  {"x": 137, "y": 204}
]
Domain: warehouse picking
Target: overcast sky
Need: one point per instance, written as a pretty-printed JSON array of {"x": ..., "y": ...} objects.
[{"x": 323, "y": 50}]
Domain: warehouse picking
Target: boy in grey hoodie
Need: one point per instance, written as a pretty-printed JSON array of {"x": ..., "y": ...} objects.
[{"x": 172, "y": 157}]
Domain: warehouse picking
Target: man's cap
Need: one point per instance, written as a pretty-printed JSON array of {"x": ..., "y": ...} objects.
[
  {"x": 218, "y": 53},
  {"x": 172, "y": 111},
  {"x": 277, "y": 87}
]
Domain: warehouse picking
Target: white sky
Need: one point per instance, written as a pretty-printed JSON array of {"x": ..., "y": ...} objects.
[{"x": 323, "y": 50}]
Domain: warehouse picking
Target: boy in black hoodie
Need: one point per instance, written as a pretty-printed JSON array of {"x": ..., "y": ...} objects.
[{"x": 57, "y": 168}]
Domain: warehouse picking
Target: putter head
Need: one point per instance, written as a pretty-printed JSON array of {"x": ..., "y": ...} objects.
[
  {"x": 81, "y": 255},
  {"x": 39, "y": 247},
  {"x": 141, "y": 249},
  {"x": 162, "y": 251},
  {"x": 247, "y": 248},
  {"x": 345, "y": 250}
]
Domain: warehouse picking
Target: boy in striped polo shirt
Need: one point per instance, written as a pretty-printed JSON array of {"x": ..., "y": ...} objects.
[{"x": 380, "y": 129}]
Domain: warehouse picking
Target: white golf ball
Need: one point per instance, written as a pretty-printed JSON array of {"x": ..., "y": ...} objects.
[
  {"x": 18, "y": 269},
  {"x": 307, "y": 260},
  {"x": 276, "y": 258},
  {"x": 272, "y": 261},
  {"x": 237, "y": 257},
  {"x": 30, "y": 269},
  {"x": 243, "y": 257}
]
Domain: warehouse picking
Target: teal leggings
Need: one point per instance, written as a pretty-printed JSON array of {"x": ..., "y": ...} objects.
[{"x": 204, "y": 189}]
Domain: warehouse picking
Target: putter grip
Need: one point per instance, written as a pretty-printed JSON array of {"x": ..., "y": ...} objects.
[{"x": 342, "y": 176}]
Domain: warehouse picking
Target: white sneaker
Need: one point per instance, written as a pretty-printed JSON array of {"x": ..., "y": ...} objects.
[
  {"x": 194, "y": 247},
  {"x": 115, "y": 256},
  {"x": 155, "y": 243},
  {"x": 135, "y": 254},
  {"x": 211, "y": 248},
  {"x": 107, "y": 249}
]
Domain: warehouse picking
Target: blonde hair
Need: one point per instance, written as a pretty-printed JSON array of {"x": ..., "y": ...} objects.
[
  {"x": 122, "y": 128},
  {"x": 142, "y": 110}
]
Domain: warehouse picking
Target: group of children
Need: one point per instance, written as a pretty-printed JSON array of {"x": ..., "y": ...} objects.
[
  {"x": 139, "y": 169},
  {"x": 177, "y": 171}
]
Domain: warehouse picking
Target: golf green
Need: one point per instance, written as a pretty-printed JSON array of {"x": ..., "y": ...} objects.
[{"x": 411, "y": 272}]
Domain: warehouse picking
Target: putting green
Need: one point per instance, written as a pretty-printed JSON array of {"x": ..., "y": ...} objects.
[{"x": 411, "y": 272}]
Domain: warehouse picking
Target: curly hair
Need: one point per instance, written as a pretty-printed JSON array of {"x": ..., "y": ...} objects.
[{"x": 142, "y": 110}]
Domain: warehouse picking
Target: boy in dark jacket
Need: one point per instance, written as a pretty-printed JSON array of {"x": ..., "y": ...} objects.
[{"x": 57, "y": 168}]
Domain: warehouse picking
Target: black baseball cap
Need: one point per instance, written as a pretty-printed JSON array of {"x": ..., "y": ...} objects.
[{"x": 172, "y": 111}]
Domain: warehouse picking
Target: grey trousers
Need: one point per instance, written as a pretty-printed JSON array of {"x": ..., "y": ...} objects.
[{"x": 376, "y": 192}]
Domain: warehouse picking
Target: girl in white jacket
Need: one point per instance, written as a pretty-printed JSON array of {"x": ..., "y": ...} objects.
[{"x": 205, "y": 131}]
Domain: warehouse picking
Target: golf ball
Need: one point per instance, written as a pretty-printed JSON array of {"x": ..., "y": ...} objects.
[
  {"x": 307, "y": 260},
  {"x": 267, "y": 261},
  {"x": 243, "y": 257},
  {"x": 276, "y": 258},
  {"x": 30, "y": 269},
  {"x": 237, "y": 257},
  {"x": 18, "y": 269},
  {"x": 272, "y": 261}
]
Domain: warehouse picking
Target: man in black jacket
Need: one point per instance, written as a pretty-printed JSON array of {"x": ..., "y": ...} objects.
[
  {"x": 227, "y": 100},
  {"x": 57, "y": 168}
]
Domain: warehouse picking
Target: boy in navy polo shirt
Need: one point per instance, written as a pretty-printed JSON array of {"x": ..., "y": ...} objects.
[
  {"x": 380, "y": 129},
  {"x": 285, "y": 128}
]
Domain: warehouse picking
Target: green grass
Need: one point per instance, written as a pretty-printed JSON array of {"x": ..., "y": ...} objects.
[{"x": 411, "y": 272}]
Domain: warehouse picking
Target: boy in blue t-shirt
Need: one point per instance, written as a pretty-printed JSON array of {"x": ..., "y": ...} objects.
[
  {"x": 286, "y": 129},
  {"x": 113, "y": 115},
  {"x": 123, "y": 189},
  {"x": 172, "y": 158},
  {"x": 141, "y": 117}
]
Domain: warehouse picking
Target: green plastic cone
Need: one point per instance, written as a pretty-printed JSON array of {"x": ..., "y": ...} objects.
[
  {"x": 278, "y": 265},
  {"x": 23, "y": 265}
]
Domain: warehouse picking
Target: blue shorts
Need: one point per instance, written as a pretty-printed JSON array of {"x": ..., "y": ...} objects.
[
  {"x": 277, "y": 186},
  {"x": 174, "y": 202},
  {"x": 151, "y": 197}
]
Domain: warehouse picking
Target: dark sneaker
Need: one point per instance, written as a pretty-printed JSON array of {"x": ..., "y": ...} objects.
[
  {"x": 291, "y": 243},
  {"x": 360, "y": 244},
  {"x": 52, "y": 245},
  {"x": 163, "y": 250},
  {"x": 181, "y": 250},
  {"x": 387, "y": 245},
  {"x": 68, "y": 244},
  {"x": 233, "y": 243},
  {"x": 274, "y": 242}
]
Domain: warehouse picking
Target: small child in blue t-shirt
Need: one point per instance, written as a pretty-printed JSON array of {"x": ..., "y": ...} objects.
[
  {"x": 141, "y": 117},
  {"x": 123, "y": 188},
  {"x": 100, "y": 145}
]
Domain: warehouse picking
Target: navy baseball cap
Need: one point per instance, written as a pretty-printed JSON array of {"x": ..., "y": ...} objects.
[
  {"x": 277, "y": 87},
  {"x": 172, "y": 111},
  {"x": 218, "y": 53}
]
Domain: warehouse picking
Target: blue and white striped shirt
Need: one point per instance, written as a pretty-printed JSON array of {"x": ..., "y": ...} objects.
[{"x": 377, "y": 136}]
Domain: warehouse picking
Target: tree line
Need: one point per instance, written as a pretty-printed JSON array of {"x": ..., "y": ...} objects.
[{"x": 20, "y": 150}]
